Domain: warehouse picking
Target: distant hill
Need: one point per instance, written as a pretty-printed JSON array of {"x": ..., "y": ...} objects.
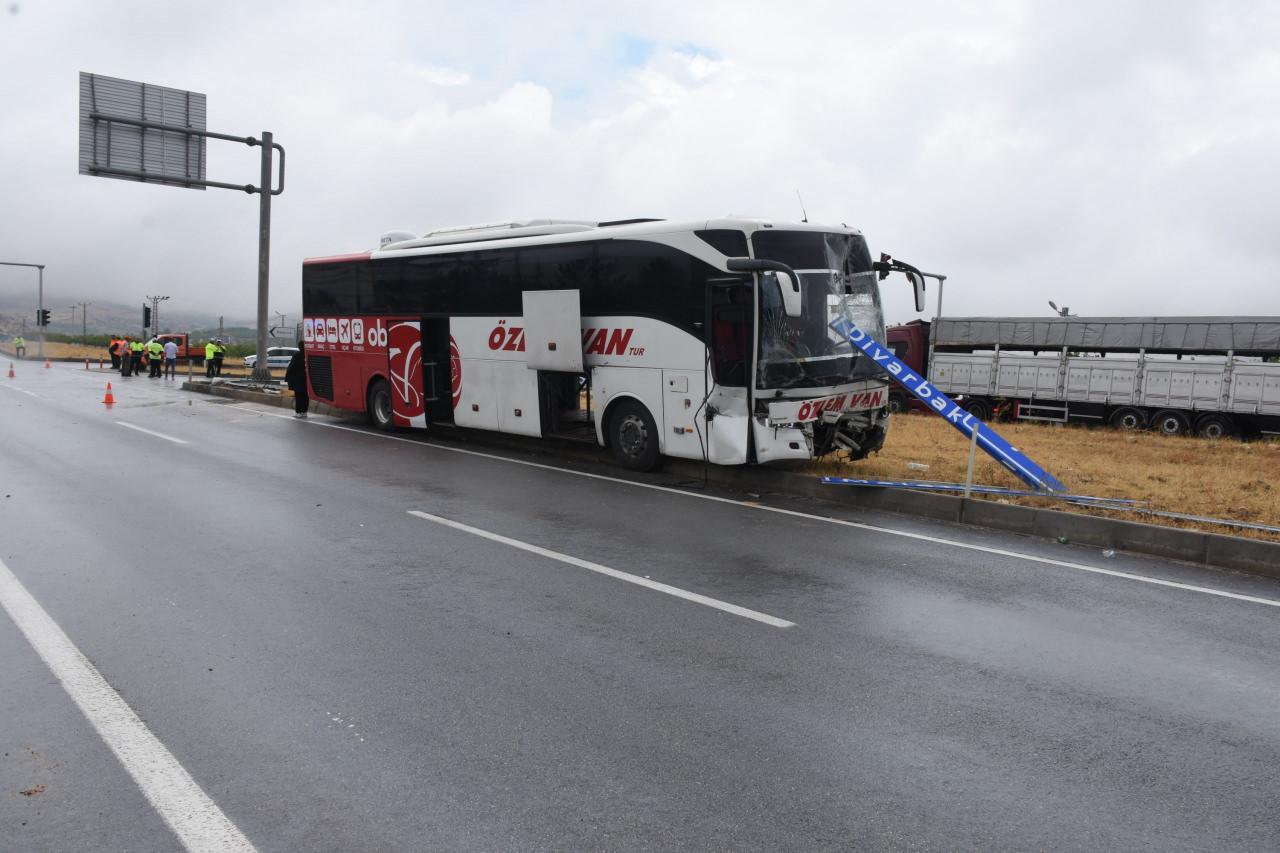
[{"x": 116, "y": 318}]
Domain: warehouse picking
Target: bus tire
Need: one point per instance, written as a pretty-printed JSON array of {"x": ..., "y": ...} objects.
[
  {"x": 378, "y": 405},
  {"x": 1170, "y": 422},
  {"x": 1128, "y": 419},
  {"x": 633, "y": 436},
  {"x": 1216, "y": 426}
]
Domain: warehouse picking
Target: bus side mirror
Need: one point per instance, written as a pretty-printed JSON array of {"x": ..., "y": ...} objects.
[
  {"x": 773, "y": 274},
  {"x": 917, "y": 285}
]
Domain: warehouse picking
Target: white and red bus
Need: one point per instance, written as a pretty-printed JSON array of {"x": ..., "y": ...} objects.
[{"x": 706, "y": 340}]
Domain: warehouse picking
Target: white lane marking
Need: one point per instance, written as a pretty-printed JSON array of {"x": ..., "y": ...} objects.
[
  {"x": 21, "y": 391},
  {"x": 151, "y": 432},
  {"x": 605, "y": 570},
  {"x": 199, "y": 824},
  {"x": 922, "y": 537}
]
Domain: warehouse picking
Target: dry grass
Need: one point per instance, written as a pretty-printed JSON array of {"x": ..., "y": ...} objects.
[{"x": 1221, "y": 479}]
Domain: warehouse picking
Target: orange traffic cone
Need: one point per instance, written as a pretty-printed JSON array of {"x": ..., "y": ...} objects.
[
  {"x": 86, "y": 364},
  {"x": 11, "y": 370},
  {"x": 109, "y": 400}
]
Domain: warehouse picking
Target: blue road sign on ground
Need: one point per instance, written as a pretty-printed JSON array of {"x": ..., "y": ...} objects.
[{"x": 1017, "y": 462}]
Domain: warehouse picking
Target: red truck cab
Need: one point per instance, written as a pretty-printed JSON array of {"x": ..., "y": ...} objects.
[
  {"x": 910, "y": 343},
  {"x": 185, "y": 348}
]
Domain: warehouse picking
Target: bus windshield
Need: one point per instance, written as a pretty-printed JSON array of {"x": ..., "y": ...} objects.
[{"x": 804, "y": 352}]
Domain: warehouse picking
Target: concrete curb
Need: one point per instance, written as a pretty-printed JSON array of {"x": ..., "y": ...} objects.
[{"x": 1216, "y": 550}]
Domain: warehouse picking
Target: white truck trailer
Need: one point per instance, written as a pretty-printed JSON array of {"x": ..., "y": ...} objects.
[{"x": 1216, "y": 376}]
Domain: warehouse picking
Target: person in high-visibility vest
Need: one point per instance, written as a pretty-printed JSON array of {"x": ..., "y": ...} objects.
[
  {"x": 210, "y": 350},
  {"x": 114, "y": 350},
  {"x": 136, "y": 349},
  {"x": 218, "y": 355},
  {"x": 155, "y": 354},
  {"x": 20, "y": 346}
]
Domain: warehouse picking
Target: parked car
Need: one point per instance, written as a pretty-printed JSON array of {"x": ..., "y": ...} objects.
[{"x": 276, "y": 357}]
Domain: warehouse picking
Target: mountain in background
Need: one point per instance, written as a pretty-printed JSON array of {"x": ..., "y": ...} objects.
[{"x": 116, "y": 318}]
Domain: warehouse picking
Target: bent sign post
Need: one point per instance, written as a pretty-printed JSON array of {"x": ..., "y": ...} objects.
[{"x": 1012, "y": 459}]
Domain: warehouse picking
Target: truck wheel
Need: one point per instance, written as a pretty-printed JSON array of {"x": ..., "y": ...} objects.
[
  {"x": 1169, "y": 422},
  {"x": 979, "y": 408},
  {"x": 1216, "y": 426},
  {"x": 378, "y": 405},
  {"x": 897, "y": 403},
  {"x": 1128, "y": 419},
  {"x": 633, "y": 436}
]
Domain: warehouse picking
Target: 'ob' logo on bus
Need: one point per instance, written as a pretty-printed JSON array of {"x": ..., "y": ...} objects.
[{"x": 376, "y": 335}]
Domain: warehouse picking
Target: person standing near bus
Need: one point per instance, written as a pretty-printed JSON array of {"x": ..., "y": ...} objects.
[
  {"x": 210, "y": 350},
  {"x": 155, "y": 354},
  {"x": 170, "y": 359},
  {"x": 126, "y": 361},
  {"x": 296, "y": 378}
]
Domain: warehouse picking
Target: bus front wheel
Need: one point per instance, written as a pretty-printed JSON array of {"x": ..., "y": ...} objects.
[
  {"x": 378, "y": 405},
  {"x": 633, "y": 436}
]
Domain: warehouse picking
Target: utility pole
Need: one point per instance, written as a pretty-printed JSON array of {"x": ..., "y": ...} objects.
[
  {"x": 155, "y": 311},
  {"x": 84, "y": 318},
  {"x": 39, "y": 298}
]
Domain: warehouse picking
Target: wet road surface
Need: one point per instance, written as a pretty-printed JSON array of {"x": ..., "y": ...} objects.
[{"x": 353, "y": 642}]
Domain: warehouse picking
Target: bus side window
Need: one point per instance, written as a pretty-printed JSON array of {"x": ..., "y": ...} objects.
[{"x": 730, "y": 333}]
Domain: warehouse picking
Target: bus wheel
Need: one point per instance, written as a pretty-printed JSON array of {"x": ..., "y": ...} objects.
[
  {"x": 378, "y": 405},
  {"x": 1215, "y": 426},
  {"x": 1169, "y": 422},
  {"x": 633, "y": 436},
  {"x": 1128, "y": 419}
]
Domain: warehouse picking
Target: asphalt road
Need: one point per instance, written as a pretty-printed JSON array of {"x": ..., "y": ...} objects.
[{"x": 335, "y": 673}]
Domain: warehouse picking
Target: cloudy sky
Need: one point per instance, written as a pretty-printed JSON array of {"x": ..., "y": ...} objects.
[{"x": 1119, "y": 158}]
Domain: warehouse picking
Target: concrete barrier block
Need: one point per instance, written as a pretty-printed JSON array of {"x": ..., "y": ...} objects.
[
  {"x": 1017, "y": 519},
  {"x": 1245, "y": 555}
]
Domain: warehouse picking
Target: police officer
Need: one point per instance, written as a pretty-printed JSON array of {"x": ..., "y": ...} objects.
[
  {"x": 20, "y": 346},
  {"x": 210, "y": 350},
  {"x": 155, "y": 354},
  {"x": 218, "y": 355}
]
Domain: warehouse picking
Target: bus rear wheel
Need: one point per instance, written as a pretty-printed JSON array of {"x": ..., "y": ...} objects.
[
  {"x": 633, "y": 436},
  {"x": 378, "y": 405}
]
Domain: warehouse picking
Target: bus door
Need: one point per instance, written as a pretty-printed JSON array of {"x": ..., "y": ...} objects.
[
  {"x": 438, "y": 356},
  {"x": 404, "y": 368}
]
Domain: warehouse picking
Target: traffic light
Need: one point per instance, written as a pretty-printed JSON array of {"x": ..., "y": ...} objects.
[
  {"x": 146, "y": 316},
  {"x": 42, "y": 317}
]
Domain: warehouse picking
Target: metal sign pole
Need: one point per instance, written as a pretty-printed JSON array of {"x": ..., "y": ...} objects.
[
  {"x": 261, "y": 370},
  {"x": 40, "y": 352}
]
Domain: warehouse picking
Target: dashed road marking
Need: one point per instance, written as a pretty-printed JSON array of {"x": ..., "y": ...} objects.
[
  {"x": 638, "y": 580},
  {"x": 151, "y": 432}
]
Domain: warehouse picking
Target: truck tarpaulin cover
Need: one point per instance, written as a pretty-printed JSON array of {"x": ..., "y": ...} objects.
[{"x": 1251, "y": 336}]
